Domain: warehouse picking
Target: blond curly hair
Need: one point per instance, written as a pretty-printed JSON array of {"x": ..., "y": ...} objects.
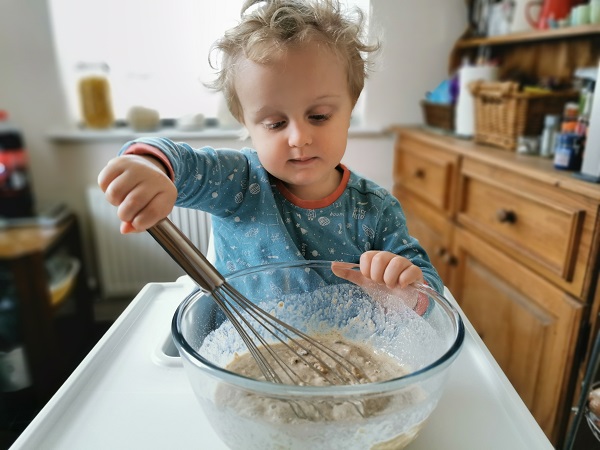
[{"x": 268, "y": 28}]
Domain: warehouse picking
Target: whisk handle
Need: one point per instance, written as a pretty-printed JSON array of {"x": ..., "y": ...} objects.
[{"x": 186, "y": 255}]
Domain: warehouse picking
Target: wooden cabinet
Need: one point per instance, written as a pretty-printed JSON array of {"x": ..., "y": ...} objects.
[
  {"x": 517, "y": 244},
  {"x": 536, "y": 54},
  {"x": 528, "y": 324},
  {"x": 56, "y": 335}
]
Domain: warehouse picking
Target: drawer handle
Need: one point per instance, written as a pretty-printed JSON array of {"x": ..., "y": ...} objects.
[
  {"x": 419, "y": 173},
  {"x": 440, "y": 251},
  {"x": 450, "y": 259},
  {"x": 506, "y": 216}
]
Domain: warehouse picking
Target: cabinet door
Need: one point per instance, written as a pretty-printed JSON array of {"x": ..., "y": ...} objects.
[
  {"x": 431, "y": 229},
  {"x": 529, "y": 325}
]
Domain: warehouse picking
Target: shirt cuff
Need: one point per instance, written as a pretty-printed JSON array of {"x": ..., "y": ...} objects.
[{"x": 148, "y": 150}]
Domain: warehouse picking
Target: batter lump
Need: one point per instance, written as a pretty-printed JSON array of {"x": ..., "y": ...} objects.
[{"x": 359, "y": 364}]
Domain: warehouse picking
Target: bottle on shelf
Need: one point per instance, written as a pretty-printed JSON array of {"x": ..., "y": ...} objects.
[
  {"x": 549, "y": 134},
  {"x": 568, "y": 154},
  {"x": 570, "y": 115},
  {"x": 585, "y": 108},
  {"x": 16, "y": 198}
]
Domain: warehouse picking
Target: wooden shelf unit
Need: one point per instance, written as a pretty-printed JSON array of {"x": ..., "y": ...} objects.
[
  {"x": 54, "y": 337},
  {"x": 535, "y": 55},
  {"x": 531, "y": 36}
]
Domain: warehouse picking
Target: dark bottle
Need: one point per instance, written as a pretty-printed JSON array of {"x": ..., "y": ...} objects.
[
  {"x": 14, "y": 374},
  {"x": 568, "y": 153},
  {"x": 16, "y": 199},
  {"x": 16, "y": 390}
]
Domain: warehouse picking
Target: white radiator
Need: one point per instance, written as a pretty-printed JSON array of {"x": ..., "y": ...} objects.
[{"x": 128, "y": 262}]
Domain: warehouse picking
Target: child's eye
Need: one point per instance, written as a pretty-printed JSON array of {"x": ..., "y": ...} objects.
[
  {"x": 274, "y": 125},
  {"x": 319, "y": 117}
]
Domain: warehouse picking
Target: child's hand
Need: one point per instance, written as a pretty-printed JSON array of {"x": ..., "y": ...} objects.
[
  {"x": 140, "y": 188},
  {"x": 393, "y": 271},
  {"x": 380, "y": 267},
  {"x": 389, "y": 269}
]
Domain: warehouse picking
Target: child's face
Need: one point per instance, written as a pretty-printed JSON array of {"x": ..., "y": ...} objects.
[{"x": 297, "y": 111}]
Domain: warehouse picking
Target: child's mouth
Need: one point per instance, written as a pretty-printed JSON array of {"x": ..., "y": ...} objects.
[{"x": 303, "y": 161}]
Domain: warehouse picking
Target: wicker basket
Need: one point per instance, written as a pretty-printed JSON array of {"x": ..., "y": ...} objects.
[
  {"x": 503, "y": 113},
  {"x": 437, "y": 115}
]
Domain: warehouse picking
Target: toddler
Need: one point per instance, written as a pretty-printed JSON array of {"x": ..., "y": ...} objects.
[{"x": 291, "y": 72}]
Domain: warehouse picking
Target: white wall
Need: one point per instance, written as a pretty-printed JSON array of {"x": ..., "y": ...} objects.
[{"x": 417, "y": 38}]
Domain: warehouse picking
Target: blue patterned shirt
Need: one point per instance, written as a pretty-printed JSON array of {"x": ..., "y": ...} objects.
[{"x": 256, "y": 220}]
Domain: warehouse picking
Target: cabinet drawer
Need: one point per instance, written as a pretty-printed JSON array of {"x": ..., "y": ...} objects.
[
  {"x": 525, "y": 219},
  {"x": 427, "y": 172}
]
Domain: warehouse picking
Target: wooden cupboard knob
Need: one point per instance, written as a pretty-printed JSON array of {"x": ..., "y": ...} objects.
[
  {"x": 419, "y": 173},
  {"x": 506, "y": 216},
  {"x": 450, "y": 259},
  {"x": 439, "y": 251}
]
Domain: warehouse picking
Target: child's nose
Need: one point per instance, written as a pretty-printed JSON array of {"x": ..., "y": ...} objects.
[{"x": 299, "y": 135}]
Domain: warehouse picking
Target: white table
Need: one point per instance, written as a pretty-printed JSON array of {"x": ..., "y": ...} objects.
[{"x": 129, "y": 394}]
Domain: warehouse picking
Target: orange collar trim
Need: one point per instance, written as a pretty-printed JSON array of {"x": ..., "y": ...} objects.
[{"x": 321, "y": 203}]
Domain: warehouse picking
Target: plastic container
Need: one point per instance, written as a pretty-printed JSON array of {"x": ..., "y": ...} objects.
[
  {"x": 94, "y": 95},
  {"x": 528, "y": 145},
  {"x": 16, "y": 198},
  {"x": 551, "y": 130},
  {"x": 62, "y": 273}
]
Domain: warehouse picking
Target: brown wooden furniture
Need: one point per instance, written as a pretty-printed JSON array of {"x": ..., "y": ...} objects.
[
  {"x": 517, "y": 243},
  {"x": 535, "y": 54},
  {"x": 54, "y": 336}
]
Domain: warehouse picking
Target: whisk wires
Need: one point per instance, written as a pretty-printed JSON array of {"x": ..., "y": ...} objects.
[{"x": 249, "y": 320}]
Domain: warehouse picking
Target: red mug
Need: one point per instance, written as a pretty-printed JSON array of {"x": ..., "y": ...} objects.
[{"x": 550, "y": 10}]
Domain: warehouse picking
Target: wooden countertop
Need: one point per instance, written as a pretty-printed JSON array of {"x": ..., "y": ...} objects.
[
  {"x": 535, "y": 167},
  {"x": 16, "y": 242}
]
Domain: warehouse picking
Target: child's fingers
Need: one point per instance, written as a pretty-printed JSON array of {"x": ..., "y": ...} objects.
[
  {"x": 347, "y": 272},
  {"x": 126, "y": 228},
  {"x": 410, "y": 275},
  {"x": 395, "y": 268}
]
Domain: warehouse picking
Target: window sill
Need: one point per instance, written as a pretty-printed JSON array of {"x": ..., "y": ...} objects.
[{"x": 126, "y": 134}]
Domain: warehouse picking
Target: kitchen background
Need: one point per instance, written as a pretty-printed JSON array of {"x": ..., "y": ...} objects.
[
  {"x": 418, "y": 38},
  {"x": 64, "y": 159}
]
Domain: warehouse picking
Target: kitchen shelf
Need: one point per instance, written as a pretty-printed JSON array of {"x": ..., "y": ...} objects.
[
  {"x": 534, "y": 55},
  {"x": 530, "y": 36}
]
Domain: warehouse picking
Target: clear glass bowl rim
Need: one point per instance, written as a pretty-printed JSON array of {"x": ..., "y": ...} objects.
[{"x": 285, "y": 390}]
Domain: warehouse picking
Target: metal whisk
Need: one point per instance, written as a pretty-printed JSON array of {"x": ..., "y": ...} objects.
[{"x": 245, "y": 316}]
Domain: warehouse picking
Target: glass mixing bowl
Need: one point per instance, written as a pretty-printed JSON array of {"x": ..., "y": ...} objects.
[{"x": 251, "y": 414}]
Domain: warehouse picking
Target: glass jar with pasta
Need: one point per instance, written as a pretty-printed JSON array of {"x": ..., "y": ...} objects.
[{"x": 94, "y": 95}]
